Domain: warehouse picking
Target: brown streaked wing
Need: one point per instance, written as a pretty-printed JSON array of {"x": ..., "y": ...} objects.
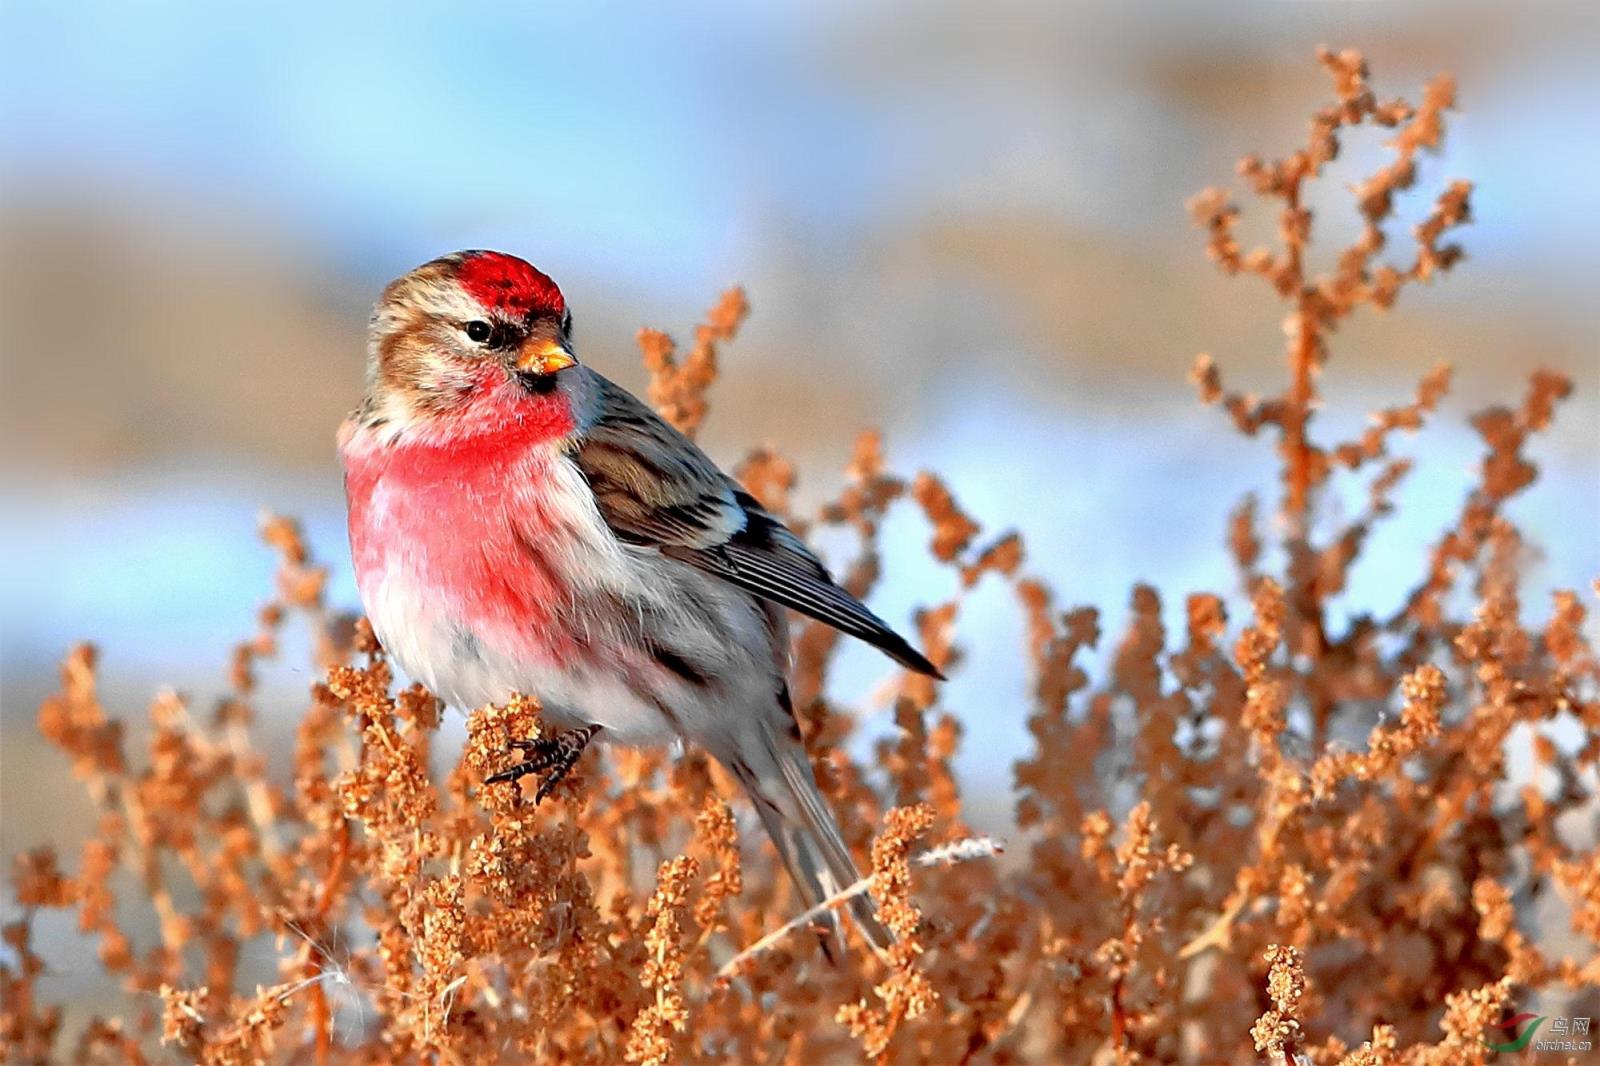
[{"x": 655, "y": 488}]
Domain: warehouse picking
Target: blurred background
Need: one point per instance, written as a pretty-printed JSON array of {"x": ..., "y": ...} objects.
[{"x": 965, "y": 229}]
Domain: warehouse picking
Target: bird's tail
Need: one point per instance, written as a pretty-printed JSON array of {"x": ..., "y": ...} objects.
[{"x": 783, "y": 788}]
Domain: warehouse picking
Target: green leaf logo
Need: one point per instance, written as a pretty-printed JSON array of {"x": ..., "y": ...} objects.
[{"x": 1511, "y": 1026}]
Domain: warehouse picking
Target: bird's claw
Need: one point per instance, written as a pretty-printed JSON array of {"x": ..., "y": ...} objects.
[{"x": 552, "y": 756}]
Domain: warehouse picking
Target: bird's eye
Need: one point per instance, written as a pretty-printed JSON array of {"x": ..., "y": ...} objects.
[{"x": 478, "y": 331}]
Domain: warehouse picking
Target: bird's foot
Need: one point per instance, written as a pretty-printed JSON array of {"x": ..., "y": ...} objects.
[{"x": 552, "y": 756}]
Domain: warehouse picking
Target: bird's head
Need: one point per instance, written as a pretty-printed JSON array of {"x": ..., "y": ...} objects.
[{"x": 460, "y": 331}]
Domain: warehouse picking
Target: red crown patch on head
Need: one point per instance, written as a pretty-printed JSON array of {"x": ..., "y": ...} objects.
[{"x": 509, "y": 284}]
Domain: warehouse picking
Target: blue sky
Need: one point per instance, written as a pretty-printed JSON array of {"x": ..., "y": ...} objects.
[{"x": 607, "y": 134}]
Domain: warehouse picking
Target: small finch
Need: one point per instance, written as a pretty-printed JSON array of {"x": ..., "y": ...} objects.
[{"x": 520, "y": 524}]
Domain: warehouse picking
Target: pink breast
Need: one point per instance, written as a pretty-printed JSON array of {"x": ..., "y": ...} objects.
[{"x": 462, "y": 527}]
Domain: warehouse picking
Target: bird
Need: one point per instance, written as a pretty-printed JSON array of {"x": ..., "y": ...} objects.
[{"x": 521, "y": 524}]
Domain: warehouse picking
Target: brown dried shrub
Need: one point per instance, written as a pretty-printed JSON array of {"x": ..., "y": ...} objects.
[{"x": 1251, "y": 887}]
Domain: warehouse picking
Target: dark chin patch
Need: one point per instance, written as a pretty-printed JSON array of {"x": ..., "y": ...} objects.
[{"x": 538, "y": 384}]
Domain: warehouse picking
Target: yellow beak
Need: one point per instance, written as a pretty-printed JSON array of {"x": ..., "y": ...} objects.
[{"x": 540, "y": 355}]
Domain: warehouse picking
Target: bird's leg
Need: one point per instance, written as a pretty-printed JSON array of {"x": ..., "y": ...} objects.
[{"x": 557, "y": 754}]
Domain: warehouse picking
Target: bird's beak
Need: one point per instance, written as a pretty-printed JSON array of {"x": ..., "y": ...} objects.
[{"x": 541, "y": 355}]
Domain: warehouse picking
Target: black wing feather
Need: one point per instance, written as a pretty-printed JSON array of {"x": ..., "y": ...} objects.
[
  {"x": 655, "y": 488},
  {"x": 767, "y": 559}
]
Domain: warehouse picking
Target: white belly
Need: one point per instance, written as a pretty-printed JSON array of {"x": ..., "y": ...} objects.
[{"x": 618, "y": 686}]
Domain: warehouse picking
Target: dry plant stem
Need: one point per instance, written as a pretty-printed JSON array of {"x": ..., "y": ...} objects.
[
  {"x": 1303, "y": 343},
  {"x": 956, "y": 851},
  {"x": 1189, "y": 881},
  {"x": 1320, "y": 303}
]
